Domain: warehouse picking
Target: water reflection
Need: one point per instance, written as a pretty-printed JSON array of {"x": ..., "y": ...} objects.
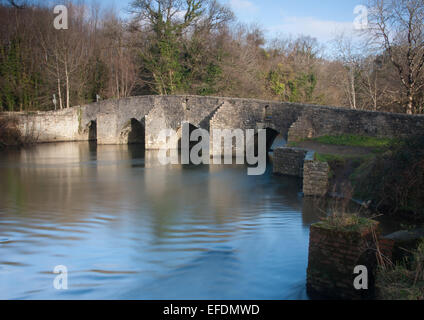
[{"x": 128, "y": 227}]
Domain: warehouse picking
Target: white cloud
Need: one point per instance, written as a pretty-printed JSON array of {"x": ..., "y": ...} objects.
[
  {"x": 323, "y": 30},
  {"x": 243, "y": 6}
]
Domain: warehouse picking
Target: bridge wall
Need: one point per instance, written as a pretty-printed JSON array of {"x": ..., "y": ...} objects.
[
  {"x": 171, "y": 111},
  {"x": 319, "y": 121},
  {"x": 115, "y": 121},
  {"x": 52, "y": 126}
]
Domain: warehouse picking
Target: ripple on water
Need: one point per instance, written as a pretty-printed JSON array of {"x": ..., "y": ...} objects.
[{"x": 129, "y": 228}]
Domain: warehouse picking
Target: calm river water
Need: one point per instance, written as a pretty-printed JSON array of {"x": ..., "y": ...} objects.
[{"x": 126, "y": 227}]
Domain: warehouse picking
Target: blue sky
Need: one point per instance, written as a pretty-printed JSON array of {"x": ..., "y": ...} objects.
[{"x": 318, "y": 18}]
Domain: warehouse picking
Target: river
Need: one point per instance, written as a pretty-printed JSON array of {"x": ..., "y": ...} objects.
[{"x": 126, "y": 227}]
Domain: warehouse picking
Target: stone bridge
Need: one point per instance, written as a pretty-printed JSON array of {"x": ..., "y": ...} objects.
[{"x": 140, "y": 119}]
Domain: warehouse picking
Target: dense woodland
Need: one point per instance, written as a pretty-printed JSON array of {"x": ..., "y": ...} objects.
[{"x": 198, "y": 47}]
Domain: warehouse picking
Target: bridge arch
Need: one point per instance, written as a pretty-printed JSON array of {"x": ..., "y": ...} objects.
[
  {"x": 133, "y": 132},
  {"x": 191, "y": 128},
  {"x": 292, "y": 121},
  {"x": 271, "y": 135}
]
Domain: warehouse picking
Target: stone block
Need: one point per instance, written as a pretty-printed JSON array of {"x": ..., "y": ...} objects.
[
  {"x": 315, "y": 178},
  {"x": 289, "y": 161}
]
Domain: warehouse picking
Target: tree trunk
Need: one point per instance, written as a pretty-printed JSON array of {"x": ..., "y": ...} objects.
[
  {"x": 67, "y": 83},
  {"x": 410, "y": 106},
  {"x": 352, "y": 82},
  {"x": 59, "y": 91}
]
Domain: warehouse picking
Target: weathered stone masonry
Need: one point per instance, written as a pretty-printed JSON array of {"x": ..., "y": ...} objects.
[
  {"x": 300, "y": 163},
  {"x": 334, "y": 253},
  {"x": 321, "y": 121},
  {"x": 333, "y": 256},
  {"x": 112, "y": 119},
  {"x": 315, "y": 178},
  {"x": 289, "y": 161}
]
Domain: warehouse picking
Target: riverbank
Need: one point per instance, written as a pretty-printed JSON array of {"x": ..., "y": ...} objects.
[
  {"x": 386, "y": 174},
  {"x": 387, "y": 177}
]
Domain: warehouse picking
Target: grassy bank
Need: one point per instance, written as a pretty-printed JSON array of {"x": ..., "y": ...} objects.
[
  {"x": 354, "y": 141},
  {"x": 388, "y": 173},
  {"x": 403, "y": 281},
  {"x": 394, "y": 179}
]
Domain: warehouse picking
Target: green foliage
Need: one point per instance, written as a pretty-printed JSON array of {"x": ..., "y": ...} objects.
[
  {"x": 277, "y": 83},
  {"x": 302, "y": 87},
  {"x": 19, "y": 87},
  {"x": 394, "y": 180},
  {"x": 167, "y": 59},
  {"x": 162, "y": 61},
  {"x": 291, "y": 86},
  {"x": 213, "y": 74},
  {"x": 322, "y": 157},
  {"x": 98, "y": 78},
  {"x": 177, "y": 47}
]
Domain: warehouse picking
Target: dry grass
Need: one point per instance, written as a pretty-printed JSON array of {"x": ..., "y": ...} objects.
[
  {"x": 403, "y": 281},
  {"x": 347, "y": 222},
  {"x": 10, "y": 135},
  {"x": 340, "y": 217}
]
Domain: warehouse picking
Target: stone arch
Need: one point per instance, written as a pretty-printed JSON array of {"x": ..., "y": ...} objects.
[
  {"x": 133, "y": 132},
  {"x": 271, "y": 134},
  {"x": 92, "y": 130},
  {"x": 192, "y": 127}
]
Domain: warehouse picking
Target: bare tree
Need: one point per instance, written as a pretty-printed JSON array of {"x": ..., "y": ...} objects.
[
  {"x": 118, "y": 52},
  {"x": 398, "y": 26},
  {"x": 348, "y": 54}
]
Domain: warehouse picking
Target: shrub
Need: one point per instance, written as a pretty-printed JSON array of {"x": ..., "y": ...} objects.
[
  {"x": 394, "y": 180},
  {"x": 10, "y": 135},
  {"x": 347, "y": 222},
  {"x": 403, "y": 281}
]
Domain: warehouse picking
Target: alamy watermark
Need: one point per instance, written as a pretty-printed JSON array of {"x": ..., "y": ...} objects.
[
  {"x": 361, "y": 19},
  {"x": 60, "y": 282},
  {"x": 249, "y": 146},
  {"x": 60, "y": 22},
  {"x": 361, "y": 281}
]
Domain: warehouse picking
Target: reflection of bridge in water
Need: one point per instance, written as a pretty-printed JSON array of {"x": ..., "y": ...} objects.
[
  {"x": 116, "y": 211},
  {"x": 61, "y": 165}
]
